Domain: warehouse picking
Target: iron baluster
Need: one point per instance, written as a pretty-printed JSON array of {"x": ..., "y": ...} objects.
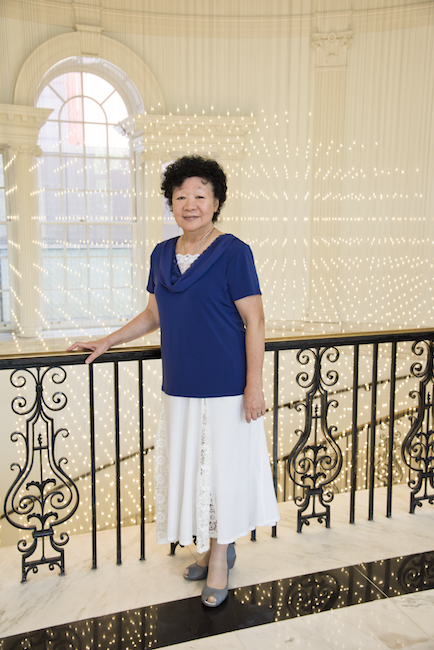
[
  {"x": 355, "y": 438},
  {"x": 418, "y": 445},
  {"x": 142, "y": 462},
  {"x": 313, "y": 466},
  {"x": 92, "y": 464},
  {"x": 391, "y": 427},
  {"x": 42, "y": 495},
  {"x": 275, "y": 425},
  {"x": 373, "y": 431},
  {"x": 117, "y": 465}
]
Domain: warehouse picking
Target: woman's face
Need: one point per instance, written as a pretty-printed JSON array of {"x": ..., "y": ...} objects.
[{"x": 194, "y": 205}]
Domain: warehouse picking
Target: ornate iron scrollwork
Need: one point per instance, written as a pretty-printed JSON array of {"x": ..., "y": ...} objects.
[
  {"x": 316, "y": 459},
  {"x": 42, "y": 495},
  {"x": 418, "y": 446}
]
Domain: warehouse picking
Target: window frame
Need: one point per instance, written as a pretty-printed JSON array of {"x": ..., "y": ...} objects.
[{"x": 131, "y": 98}]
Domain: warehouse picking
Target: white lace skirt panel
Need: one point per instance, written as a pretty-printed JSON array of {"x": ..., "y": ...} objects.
[{"x": 212, "y": 472}]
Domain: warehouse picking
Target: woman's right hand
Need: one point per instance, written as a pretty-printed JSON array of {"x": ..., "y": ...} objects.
[
  {"x": 97, "y": 347},
  {"x": 146, "y": 322}
]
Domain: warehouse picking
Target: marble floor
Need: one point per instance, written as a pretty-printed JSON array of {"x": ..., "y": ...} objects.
[{"x": 369, "y": 585}]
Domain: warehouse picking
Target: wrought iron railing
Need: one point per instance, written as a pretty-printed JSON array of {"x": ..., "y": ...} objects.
[
  {"x": 328, "y": 377},
  {"x": 315, "y": 460},
  {"x": 37, "y": 495}
]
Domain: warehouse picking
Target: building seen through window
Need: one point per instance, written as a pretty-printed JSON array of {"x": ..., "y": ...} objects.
[{"x": 86, "y": 203}]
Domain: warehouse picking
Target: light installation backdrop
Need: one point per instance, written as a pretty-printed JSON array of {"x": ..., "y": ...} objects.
[
  {"x": 320, "y": 111},
  {"x": 330, "y": 184}
]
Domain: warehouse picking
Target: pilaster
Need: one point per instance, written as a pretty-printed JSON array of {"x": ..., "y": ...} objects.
[
  {"x": 19, "y": 131},
  {"x": 329, "y": 112}
]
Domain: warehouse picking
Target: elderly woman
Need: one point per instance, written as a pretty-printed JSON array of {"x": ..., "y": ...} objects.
[{"x": 212, "y": 472}]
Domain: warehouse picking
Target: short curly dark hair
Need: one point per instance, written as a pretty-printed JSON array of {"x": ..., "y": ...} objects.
[{"x": 189, "y": 166}]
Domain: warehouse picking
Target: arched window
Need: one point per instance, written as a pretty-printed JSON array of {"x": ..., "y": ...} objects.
[{"x": 87, "y": 208}]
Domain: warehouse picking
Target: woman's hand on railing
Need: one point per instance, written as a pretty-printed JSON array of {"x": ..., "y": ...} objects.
[
  {"x": 146, "y": 322},
  {"x": 97, "y": 348}
]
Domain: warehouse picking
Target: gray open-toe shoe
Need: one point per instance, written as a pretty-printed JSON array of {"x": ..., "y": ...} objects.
[
  {"x": 196, "y": 572},
  {"x": 220, "y": 595}
]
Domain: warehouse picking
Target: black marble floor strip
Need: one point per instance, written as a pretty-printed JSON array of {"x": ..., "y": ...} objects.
[{"x": 166, "y": 624}]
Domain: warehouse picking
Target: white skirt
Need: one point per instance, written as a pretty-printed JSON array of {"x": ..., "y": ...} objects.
[{"x": 212, "y": 472}]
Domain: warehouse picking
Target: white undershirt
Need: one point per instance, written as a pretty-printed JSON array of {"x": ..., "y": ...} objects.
[{"x": 185, "y": 261}]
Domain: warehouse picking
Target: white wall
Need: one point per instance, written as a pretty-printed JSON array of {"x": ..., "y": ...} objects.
[{"x": 387, "y": 213}]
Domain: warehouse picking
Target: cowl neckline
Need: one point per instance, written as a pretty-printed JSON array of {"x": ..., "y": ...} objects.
[{"x": 171, "y": 277}]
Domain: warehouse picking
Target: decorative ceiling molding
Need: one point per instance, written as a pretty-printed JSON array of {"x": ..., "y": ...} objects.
[
  {"x": 136, "y": 18},
  {"x": 165, "y": 137},
  {"x": 115, "y": 17},
  {"x": 19, "y": 126},
  {"x": 333, "y": 21},
  {"x": 214, "y": 26},
  {"x": 390, "y": 18}
]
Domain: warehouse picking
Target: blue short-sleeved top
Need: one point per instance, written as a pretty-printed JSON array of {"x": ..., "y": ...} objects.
[{"x": 202, "y": 334}]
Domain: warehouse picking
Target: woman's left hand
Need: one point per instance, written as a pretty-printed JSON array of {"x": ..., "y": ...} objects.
[{"x": 254, "y": 402}]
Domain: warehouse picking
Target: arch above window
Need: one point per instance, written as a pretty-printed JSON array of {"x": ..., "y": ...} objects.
[{"x": 112, "y": 60}]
